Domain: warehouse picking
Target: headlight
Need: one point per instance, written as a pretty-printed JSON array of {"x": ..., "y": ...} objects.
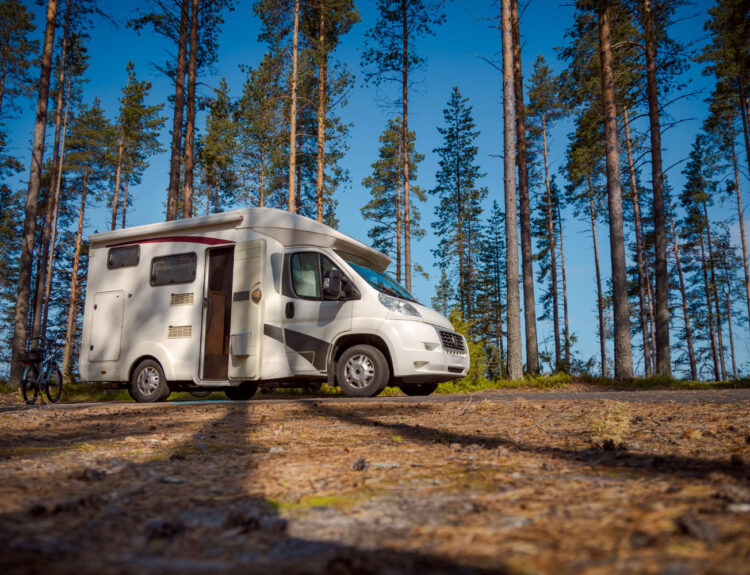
[{"x": 398, "y": 305}]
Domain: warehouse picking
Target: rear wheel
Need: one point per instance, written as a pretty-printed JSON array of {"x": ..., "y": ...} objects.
[
  {"x": 362, "y": 371},
  {"x": 417, "y": 388},
  {"x": 148, "y": 384},
  {"x": 55, "y": 384},
  {"x": 242, "y": 392},
  {"x": 28, "y": 385}
]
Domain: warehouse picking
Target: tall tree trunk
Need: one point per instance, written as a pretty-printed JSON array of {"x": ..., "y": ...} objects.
[
  {"x": 527, "y": 258},
  {"x": 565, "y": 289},
  {"x": 663, "y": 359},
  {"x": 515, "y": 359},
  {"x": 118, "y": 174},
  {"x": 621, "y": 307},
  {"x": 731, "y": 335},
  {"x": 125, "y": 197},
  {"x": 405, "y": 142},
  {"x": 462, "y": 287},
  {"x": 709, "y": 308},
  {"x": 399, "y": 217},
  {"x": 743, "y": 114},
  {"x": 686, "y": 314},
  {"x": 32, "y": 199},
  {"x": 499, "y": 314},
  {"x": 552, "y": 248},
  {"x": 638, "y": 250},
  {"x": 41, "y": 280},
  {"x": 649, "y": 301},
  {"x": 179, "y": 105},
  {"x": 741, "y": 218},
  {"x": 262, "y": 200},
  {"x": 70, "y": 329},
  {"x": 599, "y": 294},
  {"x": 293, "y": 113},
  {"x": 322, "y": 80},
  {"x": 715, "y": 292},
  {"x": 187, "y": 200}
]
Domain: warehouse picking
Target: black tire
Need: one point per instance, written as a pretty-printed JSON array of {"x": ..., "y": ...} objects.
[
  {"x": 418, "y": 388},
  {"x": 29, "y": 390},
  {"x": 55, "y": 384},
  {"x": 362, "y": 371},
  {"x": 242, "y": 392},
  {"x": 148, "y": 384}
]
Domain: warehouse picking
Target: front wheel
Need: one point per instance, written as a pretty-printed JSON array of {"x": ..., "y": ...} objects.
[
  {"x": 55, "y": 384},
  {"x": 148, "y": 384},
  {"x": 418, "y": 389},
  {"x": 29, "y": 388},
  {"x": 242, "y": 392},
  {"x": 362, "y": 371}
]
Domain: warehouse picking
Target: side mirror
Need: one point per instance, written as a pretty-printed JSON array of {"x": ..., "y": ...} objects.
[{"x": 332, "y": 285}]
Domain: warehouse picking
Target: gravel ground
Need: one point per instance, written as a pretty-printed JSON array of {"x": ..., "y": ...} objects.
[{"x": 555, "y": 482}]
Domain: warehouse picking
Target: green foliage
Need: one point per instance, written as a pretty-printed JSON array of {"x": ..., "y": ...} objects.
[{"x": 17, "y": 54}]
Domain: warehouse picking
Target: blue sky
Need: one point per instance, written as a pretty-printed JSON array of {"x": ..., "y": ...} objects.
[{"x": 454, "y": 58}]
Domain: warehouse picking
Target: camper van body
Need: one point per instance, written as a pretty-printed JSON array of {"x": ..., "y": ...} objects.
[{"x": 219, "y": 300}]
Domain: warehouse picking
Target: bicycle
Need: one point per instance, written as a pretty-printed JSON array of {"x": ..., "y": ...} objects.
[{"x": 42, "y": 375}]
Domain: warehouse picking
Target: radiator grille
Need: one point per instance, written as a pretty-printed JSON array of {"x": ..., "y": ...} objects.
[
  {"x": 452, "y": 342},
  {"x": 176, "y": 331},
  {"x": 182, "y": 298}
]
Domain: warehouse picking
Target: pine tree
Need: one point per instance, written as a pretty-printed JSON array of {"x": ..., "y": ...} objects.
[
  {"x": 390, "y": 55},
  {"x": 459, "y": 209},
  {"x": 545, "y": 108},
  {"x": 385, "y": 208},
  {"x": 17, "y": 52}
]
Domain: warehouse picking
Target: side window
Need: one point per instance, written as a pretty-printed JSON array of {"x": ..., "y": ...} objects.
[
  {"x": 123, "y": 257},
  {"x": 176, "y": 269},
  {"x": 306, "y": 275}
]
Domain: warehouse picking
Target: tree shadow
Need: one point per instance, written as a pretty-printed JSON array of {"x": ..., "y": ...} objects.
[{"x": 194, "y": 506}]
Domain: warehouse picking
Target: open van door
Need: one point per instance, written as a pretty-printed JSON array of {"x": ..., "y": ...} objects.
[{"x": 246, "y": 328}]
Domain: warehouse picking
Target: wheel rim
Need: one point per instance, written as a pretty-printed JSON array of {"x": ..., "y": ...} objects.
[
  {"x": 148, "y": 380},
  {"x": 28, "y": 387},
  {"x": 359, "y": 371}
]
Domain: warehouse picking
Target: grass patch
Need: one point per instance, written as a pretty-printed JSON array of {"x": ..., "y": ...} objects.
[
  {"x": 552, "y": 381},
  {"x": 659, "y": 382},
  {"x": 341, "y": 501}
]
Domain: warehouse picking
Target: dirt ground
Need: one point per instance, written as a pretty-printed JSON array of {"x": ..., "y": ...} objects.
[{"x": 543, "y": 484}]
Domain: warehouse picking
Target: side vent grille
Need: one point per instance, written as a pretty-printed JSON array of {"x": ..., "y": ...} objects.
[
  {"x": 182, "y": 298},
  {"x": 176, "y": 331}
]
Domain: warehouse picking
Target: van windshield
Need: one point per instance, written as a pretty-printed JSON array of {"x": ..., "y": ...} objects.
[{"x": 382, "y": 282}]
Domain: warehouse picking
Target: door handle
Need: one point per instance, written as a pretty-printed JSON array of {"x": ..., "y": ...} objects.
[{"x": 290, "y": 310}]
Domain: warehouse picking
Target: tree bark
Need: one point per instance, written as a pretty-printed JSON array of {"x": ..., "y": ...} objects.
[
  {"x": 715, "y": 292},
  {"x": 731, "y": 335},
  {"x": 322, "y": 79},
  {"x": 399, "y": 217},
  {"x": 125, "y": 197},
  {"x": 527, "y": 258},
  {"x": 599, "y": 294},
  {"x": 745, "y": 120},
  {"x": 741, "y": 218},
  {"x": 462, "y": 287},
  {"x": 565, "y": 289},
  {"x": 179, "y": 105},
  {"x": 552, "y": 248},
  {"x": 53, "y": 225},
  {"x": 187, "y": 199},
  {"x": 405, "y": 143},
  {"x": 32, "y": 198},
  {"x": 293, "y": 113},
  {"x": 621, "y": 307},
  {"x": 39, "y": 301},
  {"x": 686, "y": 314},
  {"x": 663, "y": 359},
  {"x": 118, "y": 174},
  {"x": 709, "y": 308},
  {"x": 638, "y": 251},
  {"x": 70, "y": 333},
  {"x": 262, "y": 200},
  {"x": 515, "y": 359}
]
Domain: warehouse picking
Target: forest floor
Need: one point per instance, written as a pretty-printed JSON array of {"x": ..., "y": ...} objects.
[{"x": 556, "y": 482}]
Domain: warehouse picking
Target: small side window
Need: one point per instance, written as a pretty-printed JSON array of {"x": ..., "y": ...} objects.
[
  {"x": 123, "y": 257},
  {"x": 176, "y": 269},
  {"x": 306, "y": 275}
]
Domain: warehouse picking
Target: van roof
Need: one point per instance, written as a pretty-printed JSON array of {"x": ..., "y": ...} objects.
[{"x": 287, "y": 228}]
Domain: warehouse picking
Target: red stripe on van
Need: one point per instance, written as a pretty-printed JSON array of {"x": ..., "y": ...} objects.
[{"x": 184, "y": 239}]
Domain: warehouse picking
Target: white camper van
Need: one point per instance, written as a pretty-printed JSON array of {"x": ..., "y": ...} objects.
[{"x": 255, "y": 296}]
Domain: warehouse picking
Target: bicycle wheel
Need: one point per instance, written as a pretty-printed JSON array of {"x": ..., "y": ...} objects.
[
  {"x": 29, "y": 387},
  {"x": 54, "y": 384}
]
